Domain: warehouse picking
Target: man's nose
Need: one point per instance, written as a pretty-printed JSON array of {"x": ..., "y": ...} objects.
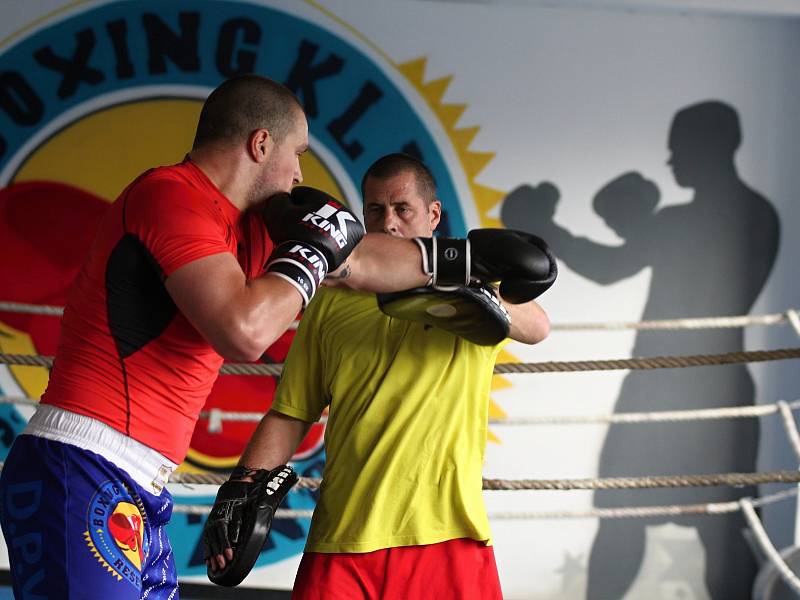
[{"x": 390, "y": 223}]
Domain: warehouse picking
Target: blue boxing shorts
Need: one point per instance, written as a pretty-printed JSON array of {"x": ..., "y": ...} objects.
[{"x": 79, "y": 525}]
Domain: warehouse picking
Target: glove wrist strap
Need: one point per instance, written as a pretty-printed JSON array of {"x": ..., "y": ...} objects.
[
  {"x": 446, "y": 260},
  {"x": 300, "y": 264}
]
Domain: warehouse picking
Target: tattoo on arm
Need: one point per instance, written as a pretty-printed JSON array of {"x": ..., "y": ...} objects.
[{"x": 344, "y": 274}]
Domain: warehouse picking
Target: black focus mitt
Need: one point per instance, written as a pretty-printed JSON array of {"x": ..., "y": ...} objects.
[
  {"x": 472, "y": 312},
  {"x": 241, "y": 519}
]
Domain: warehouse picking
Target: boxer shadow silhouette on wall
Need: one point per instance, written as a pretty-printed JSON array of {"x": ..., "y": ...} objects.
[{"x": 709, "y": 257}]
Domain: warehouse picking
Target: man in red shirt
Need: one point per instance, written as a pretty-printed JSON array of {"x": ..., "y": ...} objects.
[{"x": 174, "y": 284}]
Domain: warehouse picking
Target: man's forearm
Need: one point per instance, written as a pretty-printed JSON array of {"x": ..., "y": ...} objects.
[
  {"x": 381, "y": 263},
  {"x": 529, "y": 322},
  {"x": 274, "y": 441}
]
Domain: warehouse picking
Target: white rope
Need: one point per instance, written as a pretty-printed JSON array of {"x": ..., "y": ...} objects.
[
  {"x": 676, "y": 510},
  {"x": 43, "y": 309},
  {"x": 791, "y": 426},
  {"x": 794, "y": 319},
  {"x": 703, "y": 414},
  {"x": 693, "y": 323},
  {"x": 216, "y": 417},
  {"x": 18, "y": 400},
  {"x": 790, "y": 315},
  {"x": 628, "y": 512},
  {"x": 767, "y": 547},
  {"x": 31, "y": 309}
]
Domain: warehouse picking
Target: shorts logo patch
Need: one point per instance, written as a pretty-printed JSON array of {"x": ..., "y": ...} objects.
[{"x": 115, "y": 533}]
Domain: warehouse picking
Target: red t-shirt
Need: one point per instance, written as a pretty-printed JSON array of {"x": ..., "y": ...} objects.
[{"x": 126, "y": 355}]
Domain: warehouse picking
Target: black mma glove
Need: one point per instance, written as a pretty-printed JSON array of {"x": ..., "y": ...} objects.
[
  {"x": 472, "y": 312},
  {"x": 313, "y": 235},
  {"x": 241, "y": 519},
  {"x": 521, "y": 262}
]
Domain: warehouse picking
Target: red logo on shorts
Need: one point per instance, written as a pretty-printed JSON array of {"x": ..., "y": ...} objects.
[
  {"x": 126, "y": 529},
  {"x": 116, "y": 533}
]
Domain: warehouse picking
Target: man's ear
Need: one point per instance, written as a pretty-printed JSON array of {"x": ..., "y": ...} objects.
[
  {"x": 258, "y": 145},
  {"x": 435, "y": 213}
]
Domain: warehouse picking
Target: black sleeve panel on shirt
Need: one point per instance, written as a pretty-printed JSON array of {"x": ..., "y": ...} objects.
[
  {"x": 166, "y": 224},
  {"x": 138, "y": 304}
]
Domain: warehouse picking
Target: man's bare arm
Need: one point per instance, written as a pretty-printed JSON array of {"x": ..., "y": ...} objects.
[
  {"x": 239, "y": 318},
  {"x": 529, "y": 323},
  {"x": 381, "y": 263},
  {"x": 274, "y": 441}
]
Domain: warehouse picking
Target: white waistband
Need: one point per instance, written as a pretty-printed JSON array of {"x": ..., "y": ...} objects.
[{"x": 148, "y": 468}]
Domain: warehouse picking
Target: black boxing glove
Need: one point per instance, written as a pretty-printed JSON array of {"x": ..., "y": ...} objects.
[
  {"x": 313, "y": 235},
  {"x": 521, "y": 262},
  {"x": 241, "y": 519}
]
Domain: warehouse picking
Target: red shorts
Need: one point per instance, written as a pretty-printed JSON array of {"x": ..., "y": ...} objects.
[{"x": 460, "y": 569}]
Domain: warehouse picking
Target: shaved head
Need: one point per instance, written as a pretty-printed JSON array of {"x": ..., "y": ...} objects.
[{"x": 244, "y": 104}]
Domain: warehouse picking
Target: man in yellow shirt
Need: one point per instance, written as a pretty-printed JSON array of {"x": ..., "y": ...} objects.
[{"x": 400, "y": 512}]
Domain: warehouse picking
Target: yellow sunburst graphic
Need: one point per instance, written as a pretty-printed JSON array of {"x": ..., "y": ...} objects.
[{"x": 472, "y": 162}]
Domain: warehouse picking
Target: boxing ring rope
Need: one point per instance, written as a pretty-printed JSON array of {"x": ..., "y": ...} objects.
[
  {"x": 767, "y": 546},
  {"x": 216, "y": 417},
  {"x": 746, "y": 505},
  {"x": 18, "y": 400},
  {"x": 650, "y": 482},
  {"x": 607, "y": 483},
  {"x": 47, "y": 310},
  {"x": 654, "y": 362},
  {"x": 31, "y": 309},
  {"x": 791, "y": 316},
  {"x": 713, "y": 508},
  {"x": 565, "y": 366},
  {"x": 791, "y": 426},
  {"x": 664, "y": 416}
]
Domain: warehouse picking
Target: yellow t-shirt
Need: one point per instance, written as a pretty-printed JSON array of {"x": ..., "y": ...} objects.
[{"x": 406, "y": 429}]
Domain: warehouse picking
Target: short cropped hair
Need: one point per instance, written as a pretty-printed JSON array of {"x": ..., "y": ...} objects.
[
  {"x": 394, "y": 164},
  {"x": 243, "y": 104}
]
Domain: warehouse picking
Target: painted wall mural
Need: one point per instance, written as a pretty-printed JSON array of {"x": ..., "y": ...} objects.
[{"x": 652, "y": 149}]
